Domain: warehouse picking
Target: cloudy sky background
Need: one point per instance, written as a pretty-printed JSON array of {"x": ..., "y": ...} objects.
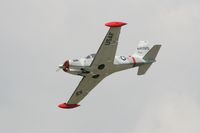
[{"x": 37, "y": 35}]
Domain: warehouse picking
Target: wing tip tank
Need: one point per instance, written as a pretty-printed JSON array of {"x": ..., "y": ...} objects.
[
  {"x": 67, "y": 106},
  {"x": 115, "y": 24}
]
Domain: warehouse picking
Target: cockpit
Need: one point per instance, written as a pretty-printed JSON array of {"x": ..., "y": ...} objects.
[{"x": 90, "y": 56}]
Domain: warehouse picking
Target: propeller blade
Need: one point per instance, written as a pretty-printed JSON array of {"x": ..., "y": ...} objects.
[{"x": 59, "y": 67}]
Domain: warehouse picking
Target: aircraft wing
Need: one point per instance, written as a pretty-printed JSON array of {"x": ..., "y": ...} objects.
[
  {"x": 106, "y": 53},
  {"x": 85, "y": 86}
]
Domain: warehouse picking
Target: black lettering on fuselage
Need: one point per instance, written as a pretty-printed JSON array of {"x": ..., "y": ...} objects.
[
  {"x": 143, "y": 48},
  {"x": 108, "y": 38}
]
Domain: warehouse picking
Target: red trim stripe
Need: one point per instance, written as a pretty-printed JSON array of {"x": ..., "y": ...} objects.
[{"x": 134, "y": 61}]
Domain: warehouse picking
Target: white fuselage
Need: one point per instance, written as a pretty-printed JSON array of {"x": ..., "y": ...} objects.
[{"x": 82, "y": 66}]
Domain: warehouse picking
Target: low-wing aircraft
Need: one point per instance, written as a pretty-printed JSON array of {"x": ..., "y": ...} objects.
[{"x": 95, "y": 67}]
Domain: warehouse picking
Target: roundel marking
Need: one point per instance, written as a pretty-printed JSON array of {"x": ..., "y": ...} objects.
[{"x": 123, "y": 58}]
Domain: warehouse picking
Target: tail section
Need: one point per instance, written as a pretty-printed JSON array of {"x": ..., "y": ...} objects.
[
  {"x": 143, "y": 48},
  {"x": 142, "y": 69},
  {"x": 149, "y": 57}
]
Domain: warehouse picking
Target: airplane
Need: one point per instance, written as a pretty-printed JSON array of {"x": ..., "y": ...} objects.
[{"x": 95, "y": 67}]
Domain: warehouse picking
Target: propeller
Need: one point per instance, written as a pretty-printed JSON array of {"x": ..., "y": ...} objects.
[
  {"x": 65, "y": 66},
  {"x": 59, "y": 67}
]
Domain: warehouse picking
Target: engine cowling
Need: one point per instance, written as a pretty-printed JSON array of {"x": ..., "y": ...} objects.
[{"x": 65, "y": 66}]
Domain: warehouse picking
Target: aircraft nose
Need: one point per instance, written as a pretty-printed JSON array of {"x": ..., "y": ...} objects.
[{"x": 65, "y": 66}]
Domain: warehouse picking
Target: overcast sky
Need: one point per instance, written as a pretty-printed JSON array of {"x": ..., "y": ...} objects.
[{"x": 37, "y": 35}]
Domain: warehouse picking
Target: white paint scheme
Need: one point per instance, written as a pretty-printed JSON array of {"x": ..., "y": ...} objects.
[{"x": 96, "y": 67}]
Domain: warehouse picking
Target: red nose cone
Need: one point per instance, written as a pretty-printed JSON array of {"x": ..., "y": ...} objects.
[
  {"x": 115, "y": 24},
  {"x": 68, "y": 106},
  {"x": 66, "y": 66}
]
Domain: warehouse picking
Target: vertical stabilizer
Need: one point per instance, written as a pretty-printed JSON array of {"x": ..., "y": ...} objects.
[{"x": 143, "y": 48}]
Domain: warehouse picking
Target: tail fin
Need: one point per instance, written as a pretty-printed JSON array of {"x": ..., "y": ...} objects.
[
  {"x": 143, "y": 48},
  {"x": 149, "y": 58}
]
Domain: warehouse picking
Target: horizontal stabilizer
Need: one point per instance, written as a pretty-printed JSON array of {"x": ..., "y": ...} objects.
[
  {"x": 149, "y": 58},
  {"x": 152, "y": 53},
  {"x": 142, "y": 69}
]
